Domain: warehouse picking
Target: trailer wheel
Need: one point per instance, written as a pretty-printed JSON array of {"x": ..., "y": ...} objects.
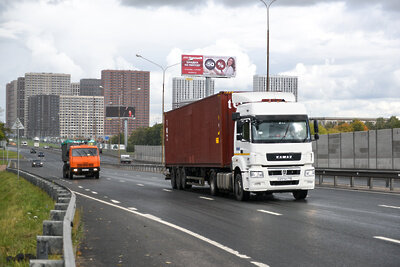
[
  {"x": 301, "y": 194},
  {"x": 213, "y": 183},
  {"x": 173, "y": 178},
  {"x": 178, "y": 179},
  {"x": 183, "y": 180},
  {"x": 240, "y": 194}
]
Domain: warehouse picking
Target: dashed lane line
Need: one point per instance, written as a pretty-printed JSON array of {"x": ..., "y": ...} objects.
[
  {"x": 387, "y": 206},
  {"x": 167, "y": 190},
  {"x": 115, "y": 201},
  {"x": 206, "y": 198},
  {"x": 140, "y": 184},
  {"x": 388, "y": 239},
  {"x": 270, "y": 212},
  {"x": 94, "y": 193},
  {"x": 179, "y": 228},
  {"x": 87, "y": 189},
  {"x": 80, "y": 186}
]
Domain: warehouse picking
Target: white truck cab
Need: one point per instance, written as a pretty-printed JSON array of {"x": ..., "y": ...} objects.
[{"x": 272, "y": 144}]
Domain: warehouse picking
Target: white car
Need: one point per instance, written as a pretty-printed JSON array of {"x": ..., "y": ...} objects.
[{"x": 126, "y": 159}]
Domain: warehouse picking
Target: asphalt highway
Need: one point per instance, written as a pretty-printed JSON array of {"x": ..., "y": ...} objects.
[{"x": 136, "y": 219}]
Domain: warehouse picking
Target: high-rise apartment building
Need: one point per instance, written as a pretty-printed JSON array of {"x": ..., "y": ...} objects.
[
  {"x": 126, "y": 88},
  {"x": 43, "y": 116},
  {"x": 81, "y": 116},
  {"x": 75, "y": 88},
  {"x": 15, "y": 93},
  {"x": 91, "y": 87},
  {"x": 11, "y": 103},
  {"x": 277, "y": 83},
  {"x": 187, "y": 90},
  {"x": 45, "y": 84}
]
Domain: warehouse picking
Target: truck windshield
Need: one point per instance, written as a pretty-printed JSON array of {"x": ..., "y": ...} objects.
[
  {"x": 84, "y": 152},
  {"x": 280, "y": 129}
]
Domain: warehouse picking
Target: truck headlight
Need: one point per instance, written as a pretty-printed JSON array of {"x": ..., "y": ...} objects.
[
  {"x": 95, "y": 169},
  {"x": 309, "y": 173},
  {"x": 75, "y": 170},
  {"x": 256, "y": 174}
]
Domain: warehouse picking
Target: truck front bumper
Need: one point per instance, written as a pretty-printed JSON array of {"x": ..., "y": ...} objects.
[
  {"x": 279, "y": 178},
  {"x": 85, "y": 171}
]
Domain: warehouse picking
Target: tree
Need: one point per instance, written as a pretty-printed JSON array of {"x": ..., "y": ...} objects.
[
  {"x": 370, "y": 125},
  {"x": 3, "y": 131},
  {"x": 114, "y": 138},
  {"x": 150, "y": 136},
  {"x": 358, "y": 126},
  {"x": 344, "y": 127},
  {"x": 392, "y": 122},
  {"x": 380, "y": 123}
]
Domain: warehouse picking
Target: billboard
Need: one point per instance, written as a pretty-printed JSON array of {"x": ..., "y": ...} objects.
[
  {"x": 209, "y": 66},
  {"x": 124, "y": 112}
]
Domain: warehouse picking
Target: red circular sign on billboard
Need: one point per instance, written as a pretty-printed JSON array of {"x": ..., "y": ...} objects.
[{"x": 220, "y": 64}]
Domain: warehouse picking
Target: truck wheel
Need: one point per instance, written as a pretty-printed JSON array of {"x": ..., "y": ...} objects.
[
  {"x": 301, "y": 194},
  {"x": 183, "y": 180},
  {"x": 213, "y": 183},
  {"x": 71, "y": 175},
  {"x": 97, "y": 175},
  {"x": 178, "y": 179},
  {"x": 240, "y": 194},
  {"x": 173, "y": 177}
]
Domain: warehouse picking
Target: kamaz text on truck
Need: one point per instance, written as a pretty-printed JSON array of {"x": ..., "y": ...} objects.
[
  {"x": 80, "y": 158},
  {"x": 241, "y": 142}
]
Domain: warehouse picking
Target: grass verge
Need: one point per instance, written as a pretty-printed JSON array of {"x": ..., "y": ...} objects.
[{"x": 23, "y": 207}]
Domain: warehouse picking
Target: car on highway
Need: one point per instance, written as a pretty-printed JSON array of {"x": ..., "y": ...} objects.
[
  {"x": 37, "y": 163},
  {"x": 24, "y": 143},
  {"x": 126, "y": 159},
  {"x": 46, "y": 147},
  {"x": 40, "y": 154},
  {"x": 33, "y": 151}
]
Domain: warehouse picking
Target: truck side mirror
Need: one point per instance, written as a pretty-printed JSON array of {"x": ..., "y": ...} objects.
[
  {"x": 316, "y": 135},
  {"x": 235, "y": 116}
]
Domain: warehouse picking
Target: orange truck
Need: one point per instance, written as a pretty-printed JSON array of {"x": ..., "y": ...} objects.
[{"x": 80, "y": 158}]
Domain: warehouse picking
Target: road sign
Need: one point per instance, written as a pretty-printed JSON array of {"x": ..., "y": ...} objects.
[
  {"x": 17, "y": 125},
  {"x": 106, "y": 138}
]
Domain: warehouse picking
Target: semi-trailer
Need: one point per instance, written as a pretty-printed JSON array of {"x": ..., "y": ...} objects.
[{"x": 241, "y": 142}]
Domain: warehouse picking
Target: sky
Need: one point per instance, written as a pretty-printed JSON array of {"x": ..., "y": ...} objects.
[{"x": 346, "y": 54}]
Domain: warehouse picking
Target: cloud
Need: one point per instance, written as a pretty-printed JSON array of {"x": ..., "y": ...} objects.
[{"x": 391, "y": 5}]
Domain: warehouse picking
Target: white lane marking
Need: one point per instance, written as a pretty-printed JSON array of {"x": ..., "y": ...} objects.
[
  {"x": 121, "y": 181},
  {"x": 259, "y": 264},
  {"x": 109, "y": 179},
  {"x": 140, "y": 184},
  {"x": 115, "y": 201},
  {"x": 270, "y": 212},
  {"x": 87, "y": 189},
  {"x": 80, "y": 186},
  {"x": 167, "y": 190},
  {"x": 156, "y": 219},
  {"x": 387, "y": 239},
  {"x": 93, "y": 192},
  {"x": 132, "y": 208},
  {"x": 206, "y": 198},
  {"x": 392, "y": 207}
]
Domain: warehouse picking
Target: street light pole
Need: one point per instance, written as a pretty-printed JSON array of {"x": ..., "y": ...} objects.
[
  {"x": 267, "y": 5},
  {"x": 163, "y": 87}
]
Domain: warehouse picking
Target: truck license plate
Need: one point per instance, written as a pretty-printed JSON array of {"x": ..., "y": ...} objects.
[
  {"x": 284, "y": 178},
  {"x": 85, "y": 170}
]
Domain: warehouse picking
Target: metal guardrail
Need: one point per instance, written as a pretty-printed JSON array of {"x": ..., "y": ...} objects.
[
  {"x": 157, "y": 168},
  {"x": 56, "y": 238},
  {"x": 389, "y": 176}
]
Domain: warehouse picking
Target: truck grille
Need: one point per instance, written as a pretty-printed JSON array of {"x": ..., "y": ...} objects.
[
  {"x": 283, "y": 156},
  {"x": 83, "y": 165},
  {"x": 277, "y": 183},
  {"x": 283, "y": 172}
]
